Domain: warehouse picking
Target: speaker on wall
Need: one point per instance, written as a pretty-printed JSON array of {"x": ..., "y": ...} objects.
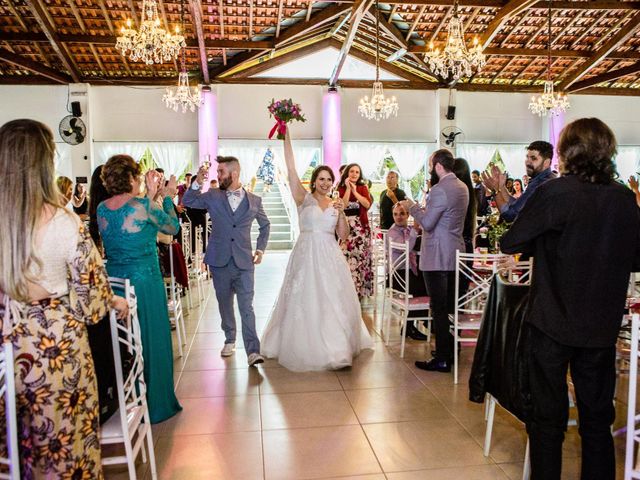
[
  {"x": 75, "y": 109},
  {"x": 451, "y": 112}
]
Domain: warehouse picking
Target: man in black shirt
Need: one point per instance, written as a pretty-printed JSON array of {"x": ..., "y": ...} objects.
[
  {"x": 388, "y": 198},
  {"x": 583, "y": 230},
  {"x": 482, "y": 201}
]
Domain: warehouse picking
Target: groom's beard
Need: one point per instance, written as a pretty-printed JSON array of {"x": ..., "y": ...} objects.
[
  {"x": 223, "y": 183},
  {"x": 434, "y": 177}
]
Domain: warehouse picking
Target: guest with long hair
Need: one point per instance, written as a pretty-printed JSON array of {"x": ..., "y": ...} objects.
[
  {"x": 97, "y": 194},
  {"x": 52, "y": 285},
  {"x": 357, "y": 246},
  {"x": 461, "y": 170}
]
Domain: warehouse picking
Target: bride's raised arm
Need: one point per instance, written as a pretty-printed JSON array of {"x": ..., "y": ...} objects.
[{"x": 295, "y": 184}]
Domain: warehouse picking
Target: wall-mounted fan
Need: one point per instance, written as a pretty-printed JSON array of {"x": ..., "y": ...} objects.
[
  {"x": 452, "y": 135},
  {"x": 72, "y": 130}
]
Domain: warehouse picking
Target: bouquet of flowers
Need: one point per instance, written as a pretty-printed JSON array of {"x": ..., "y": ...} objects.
[{"x": 284, "y": 111}]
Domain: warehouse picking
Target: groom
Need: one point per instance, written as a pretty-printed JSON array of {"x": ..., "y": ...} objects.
[{"x": 232, "y": 210}]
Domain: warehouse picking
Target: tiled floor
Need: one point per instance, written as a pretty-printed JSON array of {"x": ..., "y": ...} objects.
[{"x": 381, "y": 419}]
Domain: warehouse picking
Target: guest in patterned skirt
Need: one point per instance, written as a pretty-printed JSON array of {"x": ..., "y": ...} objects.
[
  {"x": 357, "y": 246},
  {"x": 52, "y": 285}
]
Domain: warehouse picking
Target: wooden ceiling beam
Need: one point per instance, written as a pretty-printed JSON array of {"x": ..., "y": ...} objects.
[
  {"x": 39, "y": 14},
  {"x": 250, "y": 20},
  {"x": 541, "y": 4},
  {"x": 391, "y": 30},
  {"x": 605, "y": 77},
  {"x": 111, "y": 40},
  {"x": 511, "y": 9},
  {"x": 279, "y": 18},
  {"x": 76, "y": 14},
  {"x": 97, "y": 57},
  {"x": 415, "y": 23},
  {"x": 134, "y": 14},
  {"x": 107, "y": 17},
  {"x": 35, "y": 67},
  {"x": 324, "y": 16},
  {"x": 514, "y": 29},
  {"x": 503, "y": 69},
  {"x": 614, "y": 42},
  {"x": 567, "y": 27},
  {"x": 434, "y": 35},
  {"x": 358, "y": 11},
  {"x": 14, "y": 11},
  {"x": 538, "y": 52},
  {"x": 523, "y": 71},
  {"x": 196, "y": 17},
  {"x": 294, "y": 54},
  {"x": 589, "y": 29},
  {"x": 309, "y": 10}
]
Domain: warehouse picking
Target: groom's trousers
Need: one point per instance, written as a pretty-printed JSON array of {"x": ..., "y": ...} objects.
[{"x": 230, "y": 281}]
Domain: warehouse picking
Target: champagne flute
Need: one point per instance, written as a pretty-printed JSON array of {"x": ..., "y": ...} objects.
[{"x": 334, "y": 195}]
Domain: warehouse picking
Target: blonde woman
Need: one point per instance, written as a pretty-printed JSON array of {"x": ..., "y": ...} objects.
[{"x": 52, "y": 284}]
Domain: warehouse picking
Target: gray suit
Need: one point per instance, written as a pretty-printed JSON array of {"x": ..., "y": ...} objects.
[
  {"x": 230, "y": 256},
  {"x": 442, "y": 221}
]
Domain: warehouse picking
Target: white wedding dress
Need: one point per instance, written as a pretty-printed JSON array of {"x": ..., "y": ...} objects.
[{"x": 316, "y": 323}]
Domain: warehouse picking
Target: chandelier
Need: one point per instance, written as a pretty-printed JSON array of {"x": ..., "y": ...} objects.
[
  {"x": 549, "y": 104},
  {"x": 455, "y": 61},
  {"x": 378, "y": 107},
  {"x": 183, "y": 96},
  {"x": 151, "y": 43}
]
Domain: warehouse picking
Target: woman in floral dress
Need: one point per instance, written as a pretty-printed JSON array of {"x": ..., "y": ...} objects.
[
  {"x": 357, "y": 246},
  {"x": 52, "y": 285}
]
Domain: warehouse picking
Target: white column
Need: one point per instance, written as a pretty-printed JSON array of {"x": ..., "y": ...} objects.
[{"x": 82, "y": 155}]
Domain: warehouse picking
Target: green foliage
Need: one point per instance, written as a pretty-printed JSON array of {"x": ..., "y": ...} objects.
[{"x": 146, "y": 162}]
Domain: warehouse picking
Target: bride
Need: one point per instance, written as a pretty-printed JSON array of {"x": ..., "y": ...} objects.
[{"x": 316, "y": 323}]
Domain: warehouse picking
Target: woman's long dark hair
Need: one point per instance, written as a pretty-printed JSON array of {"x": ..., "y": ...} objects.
[
  {"x": 97, "y": 194},
  {"x": 345, "y": 174},
  {"x": 462, "y": 171}
]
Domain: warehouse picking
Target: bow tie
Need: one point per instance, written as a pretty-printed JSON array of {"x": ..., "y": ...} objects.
[{"x": 235, "y": 193}]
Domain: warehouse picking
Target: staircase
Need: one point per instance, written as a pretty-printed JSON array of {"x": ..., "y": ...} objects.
[{"x": 280, "y": 237}]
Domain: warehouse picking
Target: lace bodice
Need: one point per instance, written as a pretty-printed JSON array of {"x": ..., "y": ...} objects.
[
  {"x": 313, "y": 219},
  {"x": 55, "y": 249},
  {"x": 129, "y": 232}
]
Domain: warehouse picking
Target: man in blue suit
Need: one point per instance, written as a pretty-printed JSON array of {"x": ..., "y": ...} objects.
[
  {"x": 229, "y": 254},
  {"x": 442, "y": 221}
]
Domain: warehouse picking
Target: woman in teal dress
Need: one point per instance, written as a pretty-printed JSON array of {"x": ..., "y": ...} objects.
[{"x": 128, "y": 226}]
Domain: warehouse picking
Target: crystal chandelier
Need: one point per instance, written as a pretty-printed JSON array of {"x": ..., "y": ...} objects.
[
  {"x": 151, "y": 43},
  {"x": 182, "y": 96},
  {"x": 455, "y": 61},
  {"x": 378, "y": 107},
  {"x": 549, "y": 103}
]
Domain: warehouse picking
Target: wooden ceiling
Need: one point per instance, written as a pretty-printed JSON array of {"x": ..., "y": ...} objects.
[{"x": 595, "y": 43}]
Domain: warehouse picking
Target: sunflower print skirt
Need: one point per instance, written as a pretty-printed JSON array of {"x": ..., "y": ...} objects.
[
  {"x": 56, "y": 389},
  {"x": 357, "y": 250}
]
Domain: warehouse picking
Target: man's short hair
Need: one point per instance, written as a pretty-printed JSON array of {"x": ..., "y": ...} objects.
[
  {"x": 393, "y": 172},
  {"x": 477, "y": 172},
  {"x": 445, "y": 158},
  {"x": 545, "y": 149},
  {"x": 159, "y": 170},
  {"x": 233, "y": 162}
]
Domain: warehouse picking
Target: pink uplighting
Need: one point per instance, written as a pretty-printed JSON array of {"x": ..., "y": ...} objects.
[
  {"x": 331, "y": 131},
  {"x": 208, "y": 132},
  {"x": 556, "y": 124}
]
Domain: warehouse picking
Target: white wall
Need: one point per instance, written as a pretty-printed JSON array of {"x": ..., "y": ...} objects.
[
  {"x": 47, "y": 104},
  {"x": 138, "y": 114}
]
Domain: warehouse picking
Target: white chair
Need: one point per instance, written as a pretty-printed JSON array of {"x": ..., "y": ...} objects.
[
  {"x": 196, "y": 272},
  {"x": 174, "y": 305},
  {"x": 186, "y": 251},
  {"x": 9, "y": 466},
  {"x": 398, "y": 291},
  {"x": 631, "y": 467},
  {"x": 478, "y": 269},
  {"x": 379, "y": 260},
  {"x": 130, "y": 425}
]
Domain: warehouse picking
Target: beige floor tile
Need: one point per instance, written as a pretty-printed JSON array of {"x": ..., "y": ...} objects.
[
  {"x": 379, "y": 476},
  {"x": 210, "y": 359},
  {"x": 475, "y": 472},
  {"x": 215, "y": 415},
  {"x": 317, "y": 452},
  {"x": 218, "y": 383},
  {"x": 407, "y": 446},
  {"x": 121, "y": 472},
  {"x": 281, "y": 380},
  {"x": 311, "y": 409},
  {"x": 376, "y": 375},
  {"x": 214, "y": 340},
  {"x": 226, "y": 456},
  {"x": 378, "y": 354},
  {"x": 404, "y": 403}
]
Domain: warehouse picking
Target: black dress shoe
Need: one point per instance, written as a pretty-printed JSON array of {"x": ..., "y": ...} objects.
[
  {"x": 415, "y": 334},
  {"x": 434, "y": 365}
]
